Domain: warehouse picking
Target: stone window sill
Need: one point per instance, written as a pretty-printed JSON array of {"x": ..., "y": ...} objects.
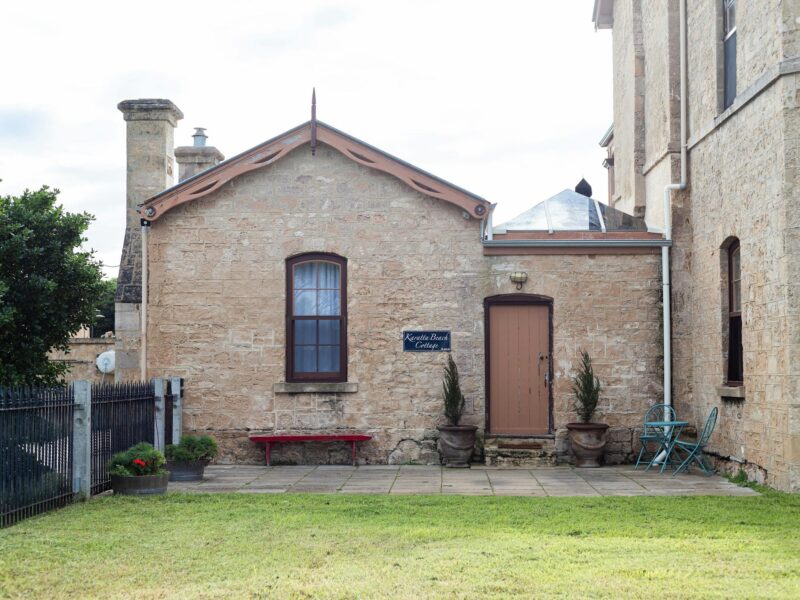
[
  {"x": 731, "y": 392},
  {"x": 344, "y": 387}
]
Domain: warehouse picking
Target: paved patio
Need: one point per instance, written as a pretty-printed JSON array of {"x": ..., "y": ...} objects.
[{"x": 477, "y": 481}]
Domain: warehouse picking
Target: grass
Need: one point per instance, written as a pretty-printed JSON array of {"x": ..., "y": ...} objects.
[{"x": 348, "y": 546}]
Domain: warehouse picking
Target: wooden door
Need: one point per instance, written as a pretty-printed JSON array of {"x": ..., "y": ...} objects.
[{"x": 519, "y": 369}]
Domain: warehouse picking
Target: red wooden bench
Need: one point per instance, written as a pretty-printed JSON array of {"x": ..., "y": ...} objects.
[{"x": 268, "y": 440}]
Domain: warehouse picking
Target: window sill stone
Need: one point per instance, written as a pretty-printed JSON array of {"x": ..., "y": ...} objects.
[
  {"x": 343, "y": 387},
  {"x": 731, "y": 392}
]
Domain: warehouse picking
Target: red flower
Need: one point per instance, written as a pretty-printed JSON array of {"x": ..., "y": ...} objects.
[{"x": 139, "y": 462}]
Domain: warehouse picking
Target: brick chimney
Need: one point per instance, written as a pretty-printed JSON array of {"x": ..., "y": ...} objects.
[
  {"x": 197, "y": 157},
  {"x": 150, "y": 169}
]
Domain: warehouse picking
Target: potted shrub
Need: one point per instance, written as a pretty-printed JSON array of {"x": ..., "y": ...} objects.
[
  {"x": 456, "y": 442},
  {"x": 187, "y": 460},
  {"x": 588, "y": 439},
  {"x": 138, "y": 471}
]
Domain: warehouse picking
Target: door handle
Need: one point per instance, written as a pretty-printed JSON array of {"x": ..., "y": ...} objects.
[{"x": 547, "y": 378}]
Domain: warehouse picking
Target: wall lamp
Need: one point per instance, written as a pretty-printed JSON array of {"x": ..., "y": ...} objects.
[{"x": 519, "y": 277}]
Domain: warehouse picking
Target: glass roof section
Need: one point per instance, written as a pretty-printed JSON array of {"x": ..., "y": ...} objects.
[{"x": 571, "y": 211}]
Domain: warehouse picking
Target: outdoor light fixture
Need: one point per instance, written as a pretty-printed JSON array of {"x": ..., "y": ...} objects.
[{"x": 519, "y": 277}]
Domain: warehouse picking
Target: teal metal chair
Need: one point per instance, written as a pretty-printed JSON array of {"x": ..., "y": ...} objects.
[
  {"x": 654, "y": 435},
  {"x": 694, "y": 450}
]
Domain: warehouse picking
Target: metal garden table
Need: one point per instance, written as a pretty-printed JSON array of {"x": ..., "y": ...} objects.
[{"x": 672, "y": 430}]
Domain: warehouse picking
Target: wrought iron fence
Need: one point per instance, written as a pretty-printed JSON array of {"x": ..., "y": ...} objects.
[
  {"x": 36, "y": 435},
  {"x": 122, "y": 415}
]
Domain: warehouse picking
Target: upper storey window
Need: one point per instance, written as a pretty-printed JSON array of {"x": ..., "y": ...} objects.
[
  {"x": 729, "y": 51},
  {"x": 316, "y": 318},
  {"x": 735, "y": 350}
]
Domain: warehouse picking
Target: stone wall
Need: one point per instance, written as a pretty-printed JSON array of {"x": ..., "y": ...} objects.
[
  {"x": 81, "y": 359},
  {"x": 742, "y": 183},
  {"x": 610, "y": 306},
  {"x": 217, "y": 311}
]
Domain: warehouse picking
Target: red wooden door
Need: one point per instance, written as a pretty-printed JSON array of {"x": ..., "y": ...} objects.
[{"x": 519, "y": 369}]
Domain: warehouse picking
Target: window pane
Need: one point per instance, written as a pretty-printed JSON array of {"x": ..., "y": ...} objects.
[
  {"x": 305, "y": 359},
  {"x": 736, "y": 297},
  {"x": 736, "y": 281},
  {"x": 305, "y": 332},
  {"x": 305, "y": 303},
  {"x": 328, "y": 276},
  {"x": 305, "y": 275},
  {"x": 328, "y": 332},
  {"x": 328, "y": 359},
  {"x": 730, "y": 15},
  {"x": 329, "y": 303}
]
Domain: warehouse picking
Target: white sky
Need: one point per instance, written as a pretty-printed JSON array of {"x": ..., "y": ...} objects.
[{"x": 506, "y": 99}]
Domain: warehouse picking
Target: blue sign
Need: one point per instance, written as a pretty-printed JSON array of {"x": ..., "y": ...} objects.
[{"x": 426, "y": 341}]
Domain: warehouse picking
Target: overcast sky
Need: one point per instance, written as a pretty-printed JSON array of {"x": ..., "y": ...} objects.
[{"x": 505, "y": 99}]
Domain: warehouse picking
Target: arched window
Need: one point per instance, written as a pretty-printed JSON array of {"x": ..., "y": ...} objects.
[
  {"x": 316, "y": 318},
  {"x": 735, "y": 373}
]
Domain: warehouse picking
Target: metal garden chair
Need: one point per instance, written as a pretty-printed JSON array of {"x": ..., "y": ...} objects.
[
  {"x": 694, "y": 450},
  {"x": 654, "y": 435}
]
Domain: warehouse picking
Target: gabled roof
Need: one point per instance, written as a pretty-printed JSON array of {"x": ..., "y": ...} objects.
[
  {"x": 271, "y": 151},
  {"x": 571, "y": 211}
]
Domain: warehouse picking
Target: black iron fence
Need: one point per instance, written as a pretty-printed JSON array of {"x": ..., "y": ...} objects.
[
  {"x": 122, "y": 415},
  {"x": 36, "y": 436},
  {"x": 49, "y": 453}
]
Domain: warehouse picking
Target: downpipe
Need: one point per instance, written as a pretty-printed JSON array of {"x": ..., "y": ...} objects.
[{"x": 143, "y": 312}]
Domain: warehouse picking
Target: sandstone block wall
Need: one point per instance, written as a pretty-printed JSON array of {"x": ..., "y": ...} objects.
[
  {"x": 217, "y": 313},
  {"x": 81, "y": 358},
  {"x": 610, "y": 306},
  {"x": 742, "y": 183}
]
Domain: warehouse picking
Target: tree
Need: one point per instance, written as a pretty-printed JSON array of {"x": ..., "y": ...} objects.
[
  {"x": 453, "y": 398},
  {"x": 49, "y": 286}
]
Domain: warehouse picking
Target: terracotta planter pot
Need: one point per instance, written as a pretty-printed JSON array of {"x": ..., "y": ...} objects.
[
  {"x": 588, "y": 442},
  {"x": 186, "y": 470},
  {"x": 456, "y": 443},
  {"x": 144, "y": 485}
]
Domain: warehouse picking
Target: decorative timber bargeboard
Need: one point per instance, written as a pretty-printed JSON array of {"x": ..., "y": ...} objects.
[{"x": 311, "y": 132}]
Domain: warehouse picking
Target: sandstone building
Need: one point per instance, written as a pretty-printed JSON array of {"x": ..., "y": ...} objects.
[
  {"x": 288, "y": 286},
  {"x": 736, "y": 239}
]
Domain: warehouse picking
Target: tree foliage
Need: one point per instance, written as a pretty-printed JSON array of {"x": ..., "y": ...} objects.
[
  {"x": 453, "y": 398},
  {"x": 49, "y": 286},
  {"x": 586, "y": 388}
]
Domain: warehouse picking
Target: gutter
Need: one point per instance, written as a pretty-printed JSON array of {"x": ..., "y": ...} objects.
[{"x": 601, "y": 243}]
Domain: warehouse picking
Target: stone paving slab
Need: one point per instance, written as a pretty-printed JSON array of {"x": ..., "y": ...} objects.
[{"x": 478, "y": 481}]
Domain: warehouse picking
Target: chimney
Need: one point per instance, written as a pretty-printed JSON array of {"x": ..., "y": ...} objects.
[
  {"x": 150, "y": 169},
  {"x": 197, "y": 157}
]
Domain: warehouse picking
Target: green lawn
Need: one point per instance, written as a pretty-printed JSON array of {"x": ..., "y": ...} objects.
[{"x": 347, "y": 546}]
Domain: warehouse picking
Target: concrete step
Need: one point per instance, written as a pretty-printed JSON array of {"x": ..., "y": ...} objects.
[{"x": 519, "y": 451}]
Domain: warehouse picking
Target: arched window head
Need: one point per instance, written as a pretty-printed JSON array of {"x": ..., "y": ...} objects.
[{"x": 316, "y": 318}]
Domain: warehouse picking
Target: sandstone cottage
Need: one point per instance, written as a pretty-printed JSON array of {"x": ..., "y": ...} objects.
[{"x": 281, "y": 283}]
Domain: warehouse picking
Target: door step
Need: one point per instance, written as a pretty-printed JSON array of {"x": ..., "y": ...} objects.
[{"x": 519, "y": 452}]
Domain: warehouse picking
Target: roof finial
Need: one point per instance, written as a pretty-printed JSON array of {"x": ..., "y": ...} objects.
[{"x": 313, "y": 121}]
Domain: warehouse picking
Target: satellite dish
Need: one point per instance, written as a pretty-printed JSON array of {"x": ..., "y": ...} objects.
[{"x": 105, "y": 362}]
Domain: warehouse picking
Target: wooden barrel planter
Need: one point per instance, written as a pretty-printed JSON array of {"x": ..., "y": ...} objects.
[
  {"x": 142, "y": 485},
  {"x": 186, "y": 470}
]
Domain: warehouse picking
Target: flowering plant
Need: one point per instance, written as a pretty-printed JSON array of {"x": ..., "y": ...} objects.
[{"x": 138, "y": 460}]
